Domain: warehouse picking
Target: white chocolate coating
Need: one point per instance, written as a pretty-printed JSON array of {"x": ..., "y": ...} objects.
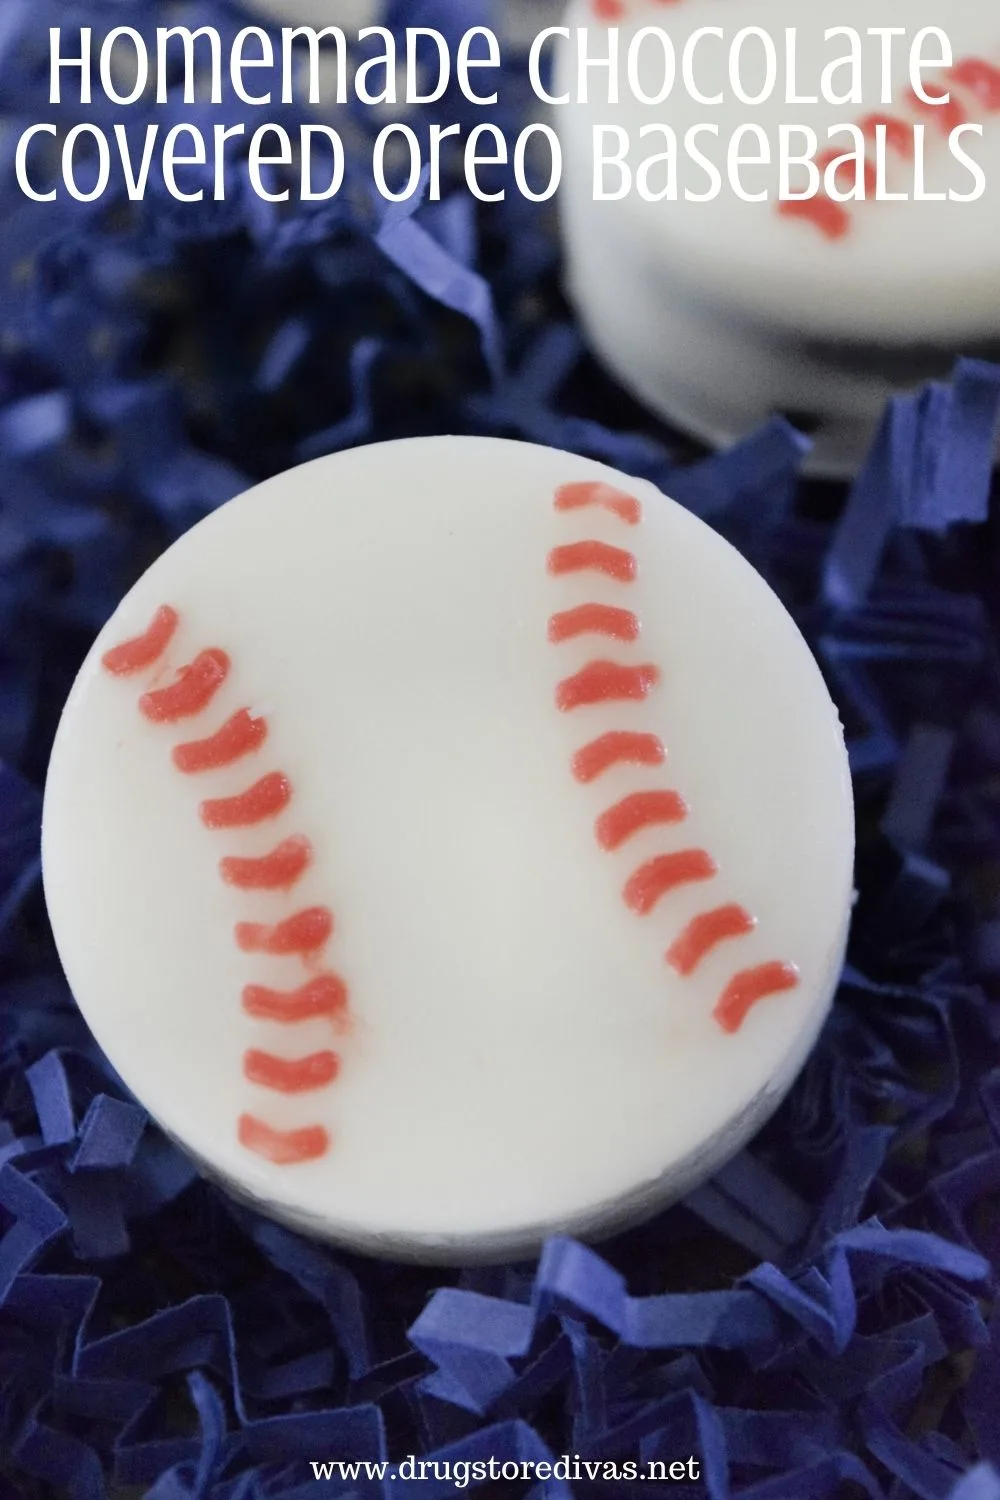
[
  {"x": 520, "y": 1058},
  {"x": 720, "y": 314}
]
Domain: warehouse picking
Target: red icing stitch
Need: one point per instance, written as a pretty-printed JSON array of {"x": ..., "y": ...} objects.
[
  {"x": 596, "y": 557},
  {"x": 981, "y": 79},
  {"x": 594, "y": 619},
  {"x": 606, "y": 682},
  {"x": 898, "y": 134},
  {"x": 305, "y": 933},
  {"x": 326, "y": 995},
  {"x": 277, "y": 871},
  {"x": 705, "y": 932},
  {"x": 239, "y": 736},
  {"x": 614, "y": 749},
  {"x": 868, "y": 169},
  {"x": 285, "y": 1148},
  {"x": 831, "y": 219},
  {"x": 652, "y": 881},
  {"x": 745, "y": 990},
  {"x": 632, "y": 814},
  {"x": 193, "y": 691},
  {"x": 298, "y": 1075},
  {"x": 947, "y": 117},
  {"x": 976, "y": 75},
  {"x": 144, "y": 650},
  {"x": 614, "y": 10},
  {"x": 577, "y": 496},
  {"x": 265, "y": 799}
]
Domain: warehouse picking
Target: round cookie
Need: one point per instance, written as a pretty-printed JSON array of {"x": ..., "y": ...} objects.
[
  {"x": 720, "y": 314},
  {"x": 450, "y": 842}
]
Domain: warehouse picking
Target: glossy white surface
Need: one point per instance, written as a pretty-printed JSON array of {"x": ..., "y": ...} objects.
[{"x": 521, "y": 1057}]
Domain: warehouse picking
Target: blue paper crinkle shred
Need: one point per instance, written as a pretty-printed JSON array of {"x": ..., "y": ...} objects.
[{"x": 819, "y": 1320}]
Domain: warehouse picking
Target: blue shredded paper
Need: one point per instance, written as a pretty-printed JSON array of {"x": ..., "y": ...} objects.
[{"x": 818, "y": 1321}]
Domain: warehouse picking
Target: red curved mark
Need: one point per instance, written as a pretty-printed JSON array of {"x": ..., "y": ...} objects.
[
  {"x": 595, "y": 557},
  {"x": 193, "y": 691},
  {"x": 947, "y": 117},
  {"x": 831, "y": 219},
  {"x": 606, "y": 682},
  {"x": 285, "y": 1148},
  {"x": 981, "y": 78},
  {"x": 298, "y": 1075},
  {"x": 238, "y": 736},
  {"x": 656, "y": 879},
  {"x": 705, "y": 932},
  {"x": 305, "y": 933},
  {"x": 826, "y": 158},
  {"x": 326, "y": 995},
  {"x": 632, "y": 814},
  {"x": 265, "y": 799},
  {"x": 898, "y": 134},
  {"x": 594, "y": 619},
  {"x": 133, "y": 656},
  {"x": 595, "y": 492},
  {"x": 277, "y": 871},
  {"x": 614, "y": 749},
  {"x": 744, "y": 991},
  {"x": 608, "y": 10}
]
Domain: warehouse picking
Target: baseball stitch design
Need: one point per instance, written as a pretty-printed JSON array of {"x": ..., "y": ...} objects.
[
  {"x": 616, "y": 10},
  {"x": 974, "y": 76},
  {"x": 605, "y": 681},
  {"x": 303, "y": 934}
]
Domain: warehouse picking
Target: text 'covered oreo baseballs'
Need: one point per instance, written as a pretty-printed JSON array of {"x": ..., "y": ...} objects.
[{"x": 450, "y": 842}]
